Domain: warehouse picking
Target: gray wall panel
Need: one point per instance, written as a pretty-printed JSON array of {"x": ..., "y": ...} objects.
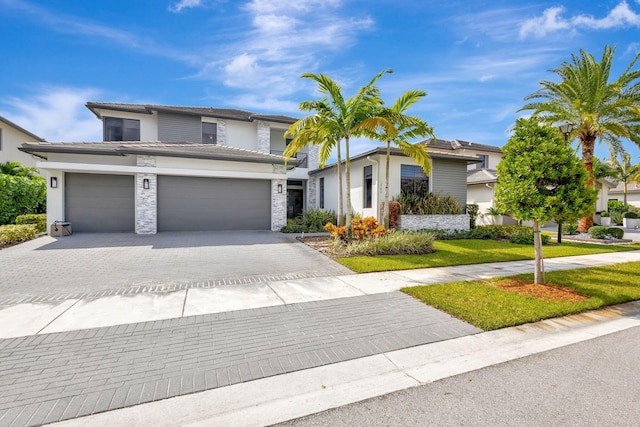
[
  {"x": 450, "y": 178},
  {"x": 179, "y": 128},
  {"x": 199, "y": 204},
  {"x": 100, "y": 203}
]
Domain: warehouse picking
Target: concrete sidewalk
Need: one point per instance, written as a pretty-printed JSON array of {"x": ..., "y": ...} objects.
[
  {"x": 264, "y": 352},
  {"x": 93, "y": 312}
]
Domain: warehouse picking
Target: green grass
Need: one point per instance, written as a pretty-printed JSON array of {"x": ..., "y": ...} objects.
[
  {"x": 461, "y": 252},
  {"x": 489, "y": 308}
]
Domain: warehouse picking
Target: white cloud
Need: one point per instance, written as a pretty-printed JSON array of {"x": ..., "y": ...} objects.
[
  {"x": 57, "y": 114},
  {"x": 621, "y": 16},
  {"x": 184, "y": 4}
]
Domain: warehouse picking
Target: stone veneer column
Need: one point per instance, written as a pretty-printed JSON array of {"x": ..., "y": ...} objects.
[
  {"x": 311, "y": 193},
  {"x": 221, "y": 137},
  {"x": 312, "y": 157},
  {"x": 264, "y": 137},
  {"x": 146, "y": 199},
  {"x": 279, "y": 200}
]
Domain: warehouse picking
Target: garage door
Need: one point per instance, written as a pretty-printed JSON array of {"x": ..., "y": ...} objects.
[
  {"x": 199, "y": 204},
  {"x": 100, "y": 203}
]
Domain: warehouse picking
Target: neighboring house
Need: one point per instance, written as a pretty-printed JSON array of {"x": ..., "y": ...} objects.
[
  {"x": 168, "y": 168},
  {"x": 633, "y": 193},
  {"x": 12, "y": 137},
  {"x": 448, "y": 177}
]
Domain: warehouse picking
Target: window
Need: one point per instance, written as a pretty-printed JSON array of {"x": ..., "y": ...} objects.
[
  {"x": 117, "y": 129},
  {"x": 413, "y": 180},
  {"x": 368, "y": 185},
  {"x": 321, "y": 193},
  {"x": 0, "y": 139},
  {"x": 484, "y": 161},
  {"x": 209, "y": 133}
]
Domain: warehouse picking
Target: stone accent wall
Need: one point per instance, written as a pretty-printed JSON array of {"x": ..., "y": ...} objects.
[
  {"x": 311, "y": 193},
  {"x": 312, "y": 157},
  {"x": 278, "y": 204},
  {"x": 440, "y": 222},
  {"x": 146, "y": 200},
  {"x": 221, "y": 138},
  {"x": 264, "y": 137}
]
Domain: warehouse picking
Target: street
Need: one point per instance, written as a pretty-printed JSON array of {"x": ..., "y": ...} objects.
[{"x": 592, "y": 383}]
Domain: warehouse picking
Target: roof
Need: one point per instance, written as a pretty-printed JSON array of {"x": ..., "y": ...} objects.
[
  {"x": 397, "y": 152},
  {"x": 220, "y": 113},
  {"x": 21, "y": 129},
  {"x": 481, "y": 176},
  {"x": 155, "y": 148},
  {"x": 631, "y": 188},
  {"x": 457, "y": 144}
]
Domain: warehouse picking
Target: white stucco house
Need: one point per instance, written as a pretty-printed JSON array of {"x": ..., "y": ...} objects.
[
  {"x": 12, "y": 136},
  {"x": 633, "y": 193},
  {"x": 169, "y": 168}
]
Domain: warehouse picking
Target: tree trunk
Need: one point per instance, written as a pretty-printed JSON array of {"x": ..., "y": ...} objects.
[
  {"x": 538, "y": 275},
  {"x": 588, "y": 145},
  {"x": 347, "y": 178},
  {"x": 624, "y": 194},
  {"x": 385, "y": 214},
  {"x": 340, "y": 202},
  {"x": 559, "y": 238}
]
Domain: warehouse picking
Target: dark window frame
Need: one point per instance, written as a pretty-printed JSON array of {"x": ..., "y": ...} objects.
[
  {"x": 207, "y": 136},
  {"x": 321, "y": 184},
  {"x": 484, "y": 163},
  {"x": 121, "y": 129},
  {"x": 367, "y": 174},
  {"x": 0, "y": 139},
  {"x": 413, "y": 180}
]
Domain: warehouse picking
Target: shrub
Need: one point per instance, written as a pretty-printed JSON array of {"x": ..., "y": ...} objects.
[
  {"x": 616, "y": 206},
  {"x": 604, "y": 214},
  {"x": 12, "y": 234},
  {"x": 598, "y": 232},
  {"x": 616, "y": 217},
  {"x": 40, "y": 220},
  {"x": 397, "y": 242},
  {"x": 569, "y": 229},
  {"x": 630, "y": 214},
  {"x": 367, "y": 228},
  {"x": 428, "y": 204},
  {"x": 526, "y": 238},
  {"x": 394, "y": 213},
  {"x": 472, "y": 210},
  {"x": 21, "y": 195},
  {"x": 336, "y": 232},
  {"x": 493, "y": 231},
  {"x": 311, "y": 221},
  {"x": 615, "y": 232}
]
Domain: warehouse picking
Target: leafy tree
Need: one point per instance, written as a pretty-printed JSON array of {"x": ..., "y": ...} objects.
[
  {"x": 624, "y": 172},
  {"x": 540, "y": 178},
  {"x": 598, "y": 108},
  {"x": 336, "y": 119},
  {"x": 404, "y": 128},
  {"x": 17, "y": 169}
]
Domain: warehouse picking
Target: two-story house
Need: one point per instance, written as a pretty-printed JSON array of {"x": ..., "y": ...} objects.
[
  {"x": 12, "y": 137},
  {"x": 168, "y": 168}
]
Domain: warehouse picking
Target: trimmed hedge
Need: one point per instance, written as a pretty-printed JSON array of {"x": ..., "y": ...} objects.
[
  {"x": 12, "y": 234},
  {"x": 598, "y": 232},
  {"x": 40, "y": 220},
  {"x": 630, "y": 214},
  {"x": 20, "y": 195},
  {"x": 615, "y": 232}
]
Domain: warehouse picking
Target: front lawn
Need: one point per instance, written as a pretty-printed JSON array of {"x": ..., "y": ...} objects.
[
  {"x": 461, "y": 252},
  {"x": 482, "y": 304}
]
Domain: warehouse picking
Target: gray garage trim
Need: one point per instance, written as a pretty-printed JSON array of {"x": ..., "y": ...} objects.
[
  {"x": 100, "y": 203},
  {"x": 203, "y": 204}
]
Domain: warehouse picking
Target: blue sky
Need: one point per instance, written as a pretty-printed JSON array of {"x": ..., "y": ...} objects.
[{"x": 477, "y": 60}]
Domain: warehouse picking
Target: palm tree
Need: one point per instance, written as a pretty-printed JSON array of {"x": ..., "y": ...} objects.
[
  {"x": 336, "y": 119},
  {"x": 17, "y": 169},
  {"x": 406, "y": 128},
  {"x": 599, "y": 109},
  {"x": 624, "y": 171}
]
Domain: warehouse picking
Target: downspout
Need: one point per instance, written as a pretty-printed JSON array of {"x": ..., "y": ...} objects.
[{"x": 375, "y": 202}]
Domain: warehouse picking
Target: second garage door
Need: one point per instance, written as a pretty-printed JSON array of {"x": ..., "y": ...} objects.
[{"x": 200, "y": 204}]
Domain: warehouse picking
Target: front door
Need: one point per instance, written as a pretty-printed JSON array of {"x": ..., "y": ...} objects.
[{"x": 294, "y": 203}]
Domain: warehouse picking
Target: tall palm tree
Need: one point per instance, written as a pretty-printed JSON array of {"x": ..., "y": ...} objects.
[
  {"x": 624, "y": 172},
  {"x": 405, "y": 128},
  {"x": 17, "y": 169},
  {"x": 599, "y": 109},
  {"x": 336, "y": 119}
]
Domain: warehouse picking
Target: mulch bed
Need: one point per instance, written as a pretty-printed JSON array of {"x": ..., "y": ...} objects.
[{"x": 545, "y": 292}]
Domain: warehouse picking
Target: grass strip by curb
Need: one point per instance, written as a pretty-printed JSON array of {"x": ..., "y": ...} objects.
[{"x": 487, "y": 307}]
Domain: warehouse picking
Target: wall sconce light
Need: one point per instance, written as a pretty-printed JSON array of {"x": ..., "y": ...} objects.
[
  {"x": 145, "y": 183},
  {"x": 279, "y": 188},
  {"x": 54, "y": 182}
]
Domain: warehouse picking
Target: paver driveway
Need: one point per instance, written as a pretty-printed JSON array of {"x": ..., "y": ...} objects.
[{"x": 85, "y": 265}]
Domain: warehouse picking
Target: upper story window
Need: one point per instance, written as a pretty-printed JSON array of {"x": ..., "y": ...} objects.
[
  {"x": 321, "y": 193},
  {"x": 117, "y": 129},
  {"x": 413, "y": 180},
  {"x": 484, "y": 161},
  {"x": 368, "y": 185},
  {"x": 209, "y": 133}
]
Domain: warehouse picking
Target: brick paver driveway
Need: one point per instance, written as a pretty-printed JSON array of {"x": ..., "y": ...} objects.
[{"x": 85, "y": 265}]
